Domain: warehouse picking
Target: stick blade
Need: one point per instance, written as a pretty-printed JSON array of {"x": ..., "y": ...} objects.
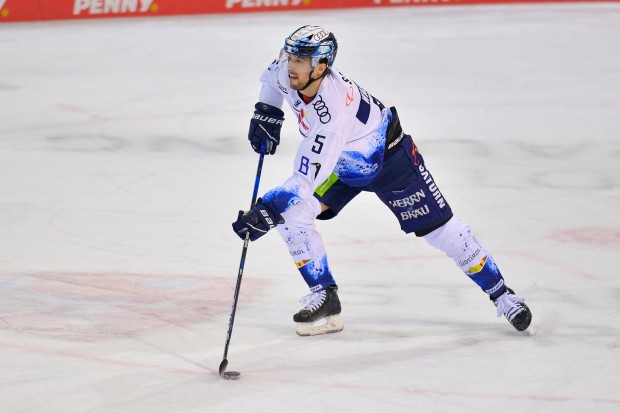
[
  {"x": 228, "y": 375},
  {"x": 223, "y": 366}
]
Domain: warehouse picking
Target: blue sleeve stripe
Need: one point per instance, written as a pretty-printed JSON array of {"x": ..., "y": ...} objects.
[{"x": 363, "y": 112}]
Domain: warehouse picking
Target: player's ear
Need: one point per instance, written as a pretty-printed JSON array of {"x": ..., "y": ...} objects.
[{"x": 321, "y": 68}]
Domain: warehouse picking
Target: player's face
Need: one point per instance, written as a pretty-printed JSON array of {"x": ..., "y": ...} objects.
[{"x": 299, "y": 70}]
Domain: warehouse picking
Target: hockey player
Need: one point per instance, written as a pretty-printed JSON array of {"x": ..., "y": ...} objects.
[{"x": 351, "y": 142}]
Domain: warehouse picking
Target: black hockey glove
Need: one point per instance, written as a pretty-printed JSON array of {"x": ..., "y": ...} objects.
[
  {"x": 257, "y": 221},
  {"x": 264, "y": 134}
]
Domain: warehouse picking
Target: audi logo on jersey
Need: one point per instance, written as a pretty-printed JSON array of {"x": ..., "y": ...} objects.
[{"x": 322, "y": 110}]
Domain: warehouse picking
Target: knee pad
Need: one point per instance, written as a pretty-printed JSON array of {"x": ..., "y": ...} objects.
[{"x": 302, "y": 214}]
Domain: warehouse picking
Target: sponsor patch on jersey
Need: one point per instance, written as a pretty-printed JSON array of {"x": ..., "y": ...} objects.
[
  {"x": 282, "y": 88},
  {"x": 321, "y": 109},
  {"x": 350, "y": 97},
  {"x": 304, "y": 124}
]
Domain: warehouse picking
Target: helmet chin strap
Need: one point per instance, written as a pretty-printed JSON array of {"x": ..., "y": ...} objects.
[{"x": 311, "y": 80}]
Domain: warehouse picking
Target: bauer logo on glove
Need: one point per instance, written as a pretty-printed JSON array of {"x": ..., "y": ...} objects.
[
  {"x": 257, "y": 221},
  {"x": 265, "y": 126}
]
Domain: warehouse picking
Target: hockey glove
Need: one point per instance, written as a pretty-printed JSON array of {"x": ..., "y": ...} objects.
[
  {"x": 264, "y": 134},
  {"x": 257, "y": 221}
]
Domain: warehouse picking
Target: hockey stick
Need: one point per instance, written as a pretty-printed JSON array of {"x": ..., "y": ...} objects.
[{"x": 234, "y": 375}]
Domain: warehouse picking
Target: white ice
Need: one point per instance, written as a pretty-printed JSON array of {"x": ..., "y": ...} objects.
[{"x": 124, "y": 160}]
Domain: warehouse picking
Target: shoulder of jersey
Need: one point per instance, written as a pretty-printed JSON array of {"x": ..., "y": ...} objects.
[{"x": 337, "y": 96}]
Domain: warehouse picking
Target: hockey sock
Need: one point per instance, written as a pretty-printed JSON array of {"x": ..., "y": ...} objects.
[
  {"x": 456, "y": 240},
  {"x": 305, "y": 244}
]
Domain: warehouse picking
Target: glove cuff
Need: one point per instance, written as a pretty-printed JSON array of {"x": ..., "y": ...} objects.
[
  {"x": 276, "y": 215},
  {"x": 268, "y": 109}
]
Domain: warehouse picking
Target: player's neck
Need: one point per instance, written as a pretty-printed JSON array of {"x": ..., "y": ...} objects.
[
  {"x": 310, "y": 92},
  {"x": 306, "y": 99}
]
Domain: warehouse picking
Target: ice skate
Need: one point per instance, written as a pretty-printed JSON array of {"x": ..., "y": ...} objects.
[
  {"x": 514, "y": 309},
  {"x": 320, "y": 314}
]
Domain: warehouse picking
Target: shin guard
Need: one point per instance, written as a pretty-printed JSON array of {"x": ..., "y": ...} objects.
[
  {"x": 306, "y": 245},
  {"x": 456, "y": 240}
]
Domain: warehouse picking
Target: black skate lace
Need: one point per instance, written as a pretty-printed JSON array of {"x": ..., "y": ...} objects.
[
  {"x": 313, "y": 301},
  {"x": 509, "y": 305}
]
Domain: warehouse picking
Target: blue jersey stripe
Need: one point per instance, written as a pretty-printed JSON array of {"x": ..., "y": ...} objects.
[{"x": 363, "y": 112}]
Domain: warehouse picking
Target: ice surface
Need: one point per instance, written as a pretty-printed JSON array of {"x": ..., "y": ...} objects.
[{"x": 123, "y": 161}]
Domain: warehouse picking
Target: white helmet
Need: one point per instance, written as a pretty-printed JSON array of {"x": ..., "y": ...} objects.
[{"x": 315, "y": 42}]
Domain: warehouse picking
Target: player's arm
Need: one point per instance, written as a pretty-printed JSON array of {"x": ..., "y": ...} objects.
[
  {"x": 315, "y": 160},
  {"x": 314, "y": 163},
  {"x": 266, "y": 122}
]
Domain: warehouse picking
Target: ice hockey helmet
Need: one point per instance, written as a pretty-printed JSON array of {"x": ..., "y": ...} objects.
[{"x": 315, "y": 42}]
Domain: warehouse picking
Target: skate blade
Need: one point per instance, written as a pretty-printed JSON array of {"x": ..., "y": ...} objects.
[
  {"x": 529, "y": 331},
  {"x": 332, "y": 324}
]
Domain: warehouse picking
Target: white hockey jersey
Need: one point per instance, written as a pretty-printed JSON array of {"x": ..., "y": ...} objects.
[{"x": 343, "y": 130}]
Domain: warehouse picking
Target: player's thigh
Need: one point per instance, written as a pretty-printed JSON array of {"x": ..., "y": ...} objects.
[
  {"x": 334, "y": 195},
  {"x": 413, "y": 195}
]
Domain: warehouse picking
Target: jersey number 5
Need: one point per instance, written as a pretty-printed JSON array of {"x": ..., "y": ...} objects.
[{"x": 316, "y": 148}]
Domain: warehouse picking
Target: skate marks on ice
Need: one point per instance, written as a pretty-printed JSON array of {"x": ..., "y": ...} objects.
[
  {"x": 592, "y": 236},
  {"x": 154, "y": 144},
  {"x": 584, "y": 166},
  {"x": 394, "y": 361},
  {"x": 91, "y": 307},
  {"x": 555, "y": 187},
  {"x": 7, "y": 87}
]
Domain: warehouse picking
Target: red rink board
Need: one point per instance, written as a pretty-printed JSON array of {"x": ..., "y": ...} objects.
[{"x": 34, "y": 10}]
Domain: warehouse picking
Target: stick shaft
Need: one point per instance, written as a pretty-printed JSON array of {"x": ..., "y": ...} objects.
[{"x": 244, "y": 251}]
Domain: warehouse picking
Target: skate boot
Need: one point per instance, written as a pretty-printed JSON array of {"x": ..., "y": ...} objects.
[
  {"x": 514, "y": 309},
  {"x": 320, "y": 314}
]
